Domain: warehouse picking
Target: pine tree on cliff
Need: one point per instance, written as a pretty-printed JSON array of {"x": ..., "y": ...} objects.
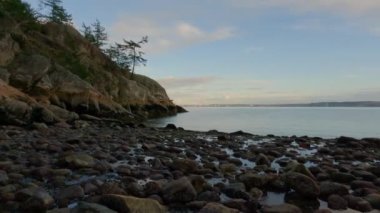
[
  {"x": 87, "y": 33},
  {"x": 99, "y": 33},
  {"x": 57, "y": 13},
  {"x": 134, "y": 55}
]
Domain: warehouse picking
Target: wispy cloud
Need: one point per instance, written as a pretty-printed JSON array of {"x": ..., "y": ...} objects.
[
  {"x": 166, "y": 35},
  {"x": 174, "y": 83},
  {"x": 343, "y": 7}
]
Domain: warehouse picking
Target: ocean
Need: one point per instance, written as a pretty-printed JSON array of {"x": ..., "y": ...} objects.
[{"x": 326, "y": 122}]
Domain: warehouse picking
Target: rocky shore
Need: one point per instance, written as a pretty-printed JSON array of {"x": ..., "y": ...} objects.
[{"x": 108, "y": 166}]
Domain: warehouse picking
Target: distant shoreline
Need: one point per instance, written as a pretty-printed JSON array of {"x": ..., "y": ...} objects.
[{"x": 318, "y": 104}]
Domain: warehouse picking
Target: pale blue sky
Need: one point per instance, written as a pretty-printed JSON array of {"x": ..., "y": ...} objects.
[{"x": 250, "y": 51}]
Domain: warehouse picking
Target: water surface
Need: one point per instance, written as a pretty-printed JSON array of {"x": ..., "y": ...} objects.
[{"x": 324, "y": 122}]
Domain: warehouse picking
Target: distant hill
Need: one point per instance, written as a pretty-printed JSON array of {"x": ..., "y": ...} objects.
[{"x": 317, "y": 104}]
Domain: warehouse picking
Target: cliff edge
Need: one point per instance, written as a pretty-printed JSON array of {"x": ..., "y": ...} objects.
[{"x": 49, "y": 73}]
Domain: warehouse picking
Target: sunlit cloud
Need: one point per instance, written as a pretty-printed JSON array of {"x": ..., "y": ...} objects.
[
  {"x": 166, "y": 35},
  {"x": 174, "y": 83}
]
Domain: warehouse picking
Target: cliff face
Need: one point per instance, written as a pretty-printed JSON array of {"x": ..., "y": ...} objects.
[{"x": 49, "y": 72}]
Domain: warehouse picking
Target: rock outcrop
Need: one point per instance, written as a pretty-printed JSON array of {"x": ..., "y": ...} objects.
[{"x": 50, "y": 70}]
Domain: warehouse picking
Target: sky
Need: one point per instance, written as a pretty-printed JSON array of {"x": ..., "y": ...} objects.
[{"x": 249, "y": 51}]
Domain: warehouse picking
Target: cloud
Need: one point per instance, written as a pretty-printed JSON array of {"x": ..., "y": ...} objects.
[
  {"x": 343, "y": 7},
  {"x": 174, "y": 83},
  {"x": 165, "y": 35}
]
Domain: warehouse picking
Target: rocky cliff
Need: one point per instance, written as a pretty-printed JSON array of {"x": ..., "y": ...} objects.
[{"x": 50, "y": 73}]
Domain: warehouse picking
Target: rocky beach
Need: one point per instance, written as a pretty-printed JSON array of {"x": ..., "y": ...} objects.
[{"x": 99, "y": 165}]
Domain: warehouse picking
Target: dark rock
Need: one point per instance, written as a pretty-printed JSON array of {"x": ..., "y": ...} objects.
[
  {"x": 34, "y": 199},
  {"x": 91, "y": 208},
  {"x": 254, "y": 180},
  {"x": 187, "y": 166},
  {"x": 336, "y": 202},
  {"x": 358, "y": 203},
  {"x": 180, "y": 190},
  {"x": 342, "y": 177},
  {"x": 329, "y": 188},
  {"x": 362, "y": 184},
  {"x": 127, "y": 204},
  {"x": 283, "y": 208},
  {"x": 65, "y": 195},
  {"x": 374, "y": 200},
  {"x": 209, "y": 196},
  {"x": 171, "y": 126},
  {"x": 3, "y": 177},
  {"x": 217, "y": 208},
  {"x": 302, "y": 184},
  {"x": 263, "y": 160},
  {"x": 78, "y": 160}
]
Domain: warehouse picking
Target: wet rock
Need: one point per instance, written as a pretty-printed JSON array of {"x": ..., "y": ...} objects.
[
  {"x": 368, "y": 176},
  {"x": 180, "y": 190},
  {"x": 302, "y": 184},
  {"x": 171, "y": 126},
  {"x": 337, "y": 202},
  {"x": 65, "y": 195},
  {"x": 126, "y": 204},
  {"x": 78, "y": 160},
  {"x": 3, "y": 177},
  {"x": 152, "y": 187},
  {"x": 198, "y": 182},
  {"x": 374, "y": 200},
  {"x": 209, "y": 196},
  {"x": 196, "y": 205},
  {"x": 329, "y": 188},
  {"x": 217, "y": 208},
  {"x": 228, "y": 168},
  {"x": 342, "y": 177},
  {"x": 294, "y": 166},
  {"x": 256, "y": 194},
  {"x": 237, "y": 194},
  {"x": 187, "y": 166},
  {"x": 358, "y": 203},
  {"x": 262, "y": 160},
  {"x": 135, "y": 189},
  {"x": 34, "y": 199},
  {"x": 111, "y": 188},
  {"x": 362, "y": 184},
  {"x": 283, "y": 208},
  {"x": 251, "y": 180},
  {"x": 91, "y": 208}
]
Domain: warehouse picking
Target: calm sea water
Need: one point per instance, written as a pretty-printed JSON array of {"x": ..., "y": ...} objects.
[{"x": 311, "y": 121}]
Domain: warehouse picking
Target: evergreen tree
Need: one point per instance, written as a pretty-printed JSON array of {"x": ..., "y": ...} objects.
[
  {"x": 87, "y": 33},
  {"x": 99, "y": 34},
  {"x": 116, "y": 54},
  {"x": 57, "y": 13},
  {"x": 18, "y": 9},
  {"x": 134, "y": 55}
]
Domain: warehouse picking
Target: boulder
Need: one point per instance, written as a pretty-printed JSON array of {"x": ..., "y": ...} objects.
[
  {"x": 180, "y": 190},
  {"x": 34, "y": 199},
  {"x": 302, "y": 184},
  {"x": 64, "y": 196},
  {"x": 358, "y": 203},
  {"x": 91, "y": 208},
  {"x": 342, "y": 177},
  {"x": 187, "y": 166},
  {"x": 3, "y": 177},
  {"x": 374, "y": 200},
  {"x": 263, "y": 160},
  {"x": 328, "y": 188},
  {"x": 337, "y": 202},
  {"x": 217, "y": 208},
  {"x": 283, "y": 208},
  {"x": 129, "y": 204},
  {"x": 78, "y": 160},
  {"x": 251, "y": 180}
]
